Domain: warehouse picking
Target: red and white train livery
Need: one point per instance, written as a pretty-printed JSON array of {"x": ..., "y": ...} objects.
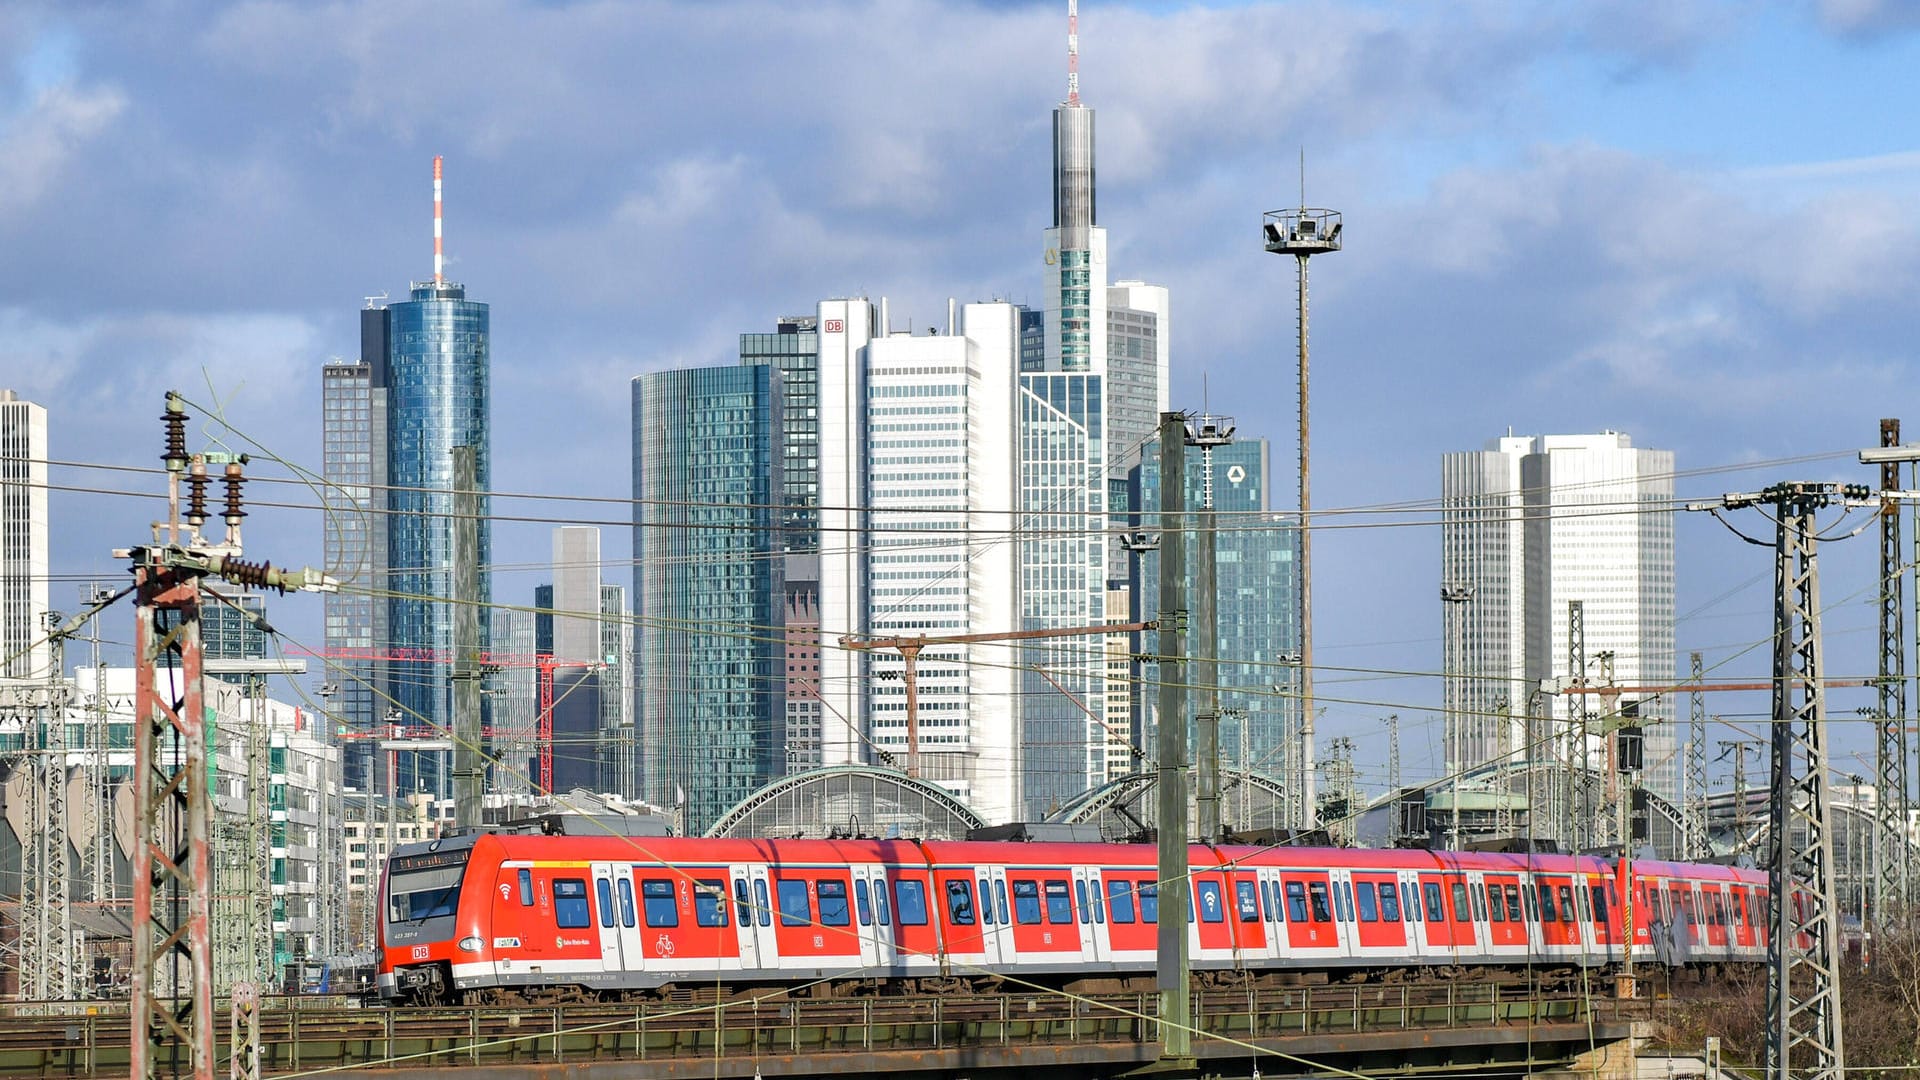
[{"x": 503, "y": 916}]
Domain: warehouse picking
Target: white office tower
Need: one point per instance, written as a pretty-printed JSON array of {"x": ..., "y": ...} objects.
[
  {"x": 1529, "y": 524},
  {"x": 941, "y": 488},
  {"x": 1136, "y": 371},
  {"x": 845, "y": 328},
  {"x": 23, "y": 537},
  {"x": 576, "y": 593}
]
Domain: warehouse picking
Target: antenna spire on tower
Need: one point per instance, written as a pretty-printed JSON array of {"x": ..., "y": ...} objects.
[
  {"x": 439, "y": 260},
  {"x": 1073, "y": 52}
]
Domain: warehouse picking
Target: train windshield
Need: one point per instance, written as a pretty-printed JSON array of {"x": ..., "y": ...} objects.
[{"x": 425, "y": 886}]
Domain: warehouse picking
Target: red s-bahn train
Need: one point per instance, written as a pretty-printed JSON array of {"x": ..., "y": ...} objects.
[{"x": 505, "y": 917}]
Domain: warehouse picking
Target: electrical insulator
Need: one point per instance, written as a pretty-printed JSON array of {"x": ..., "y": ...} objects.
[
  {"x": 234, "y": 481},
  {"x": 241, "y": 572},
  {"x": 197, "y": 494},
  {"x": 175, "y": 418}
]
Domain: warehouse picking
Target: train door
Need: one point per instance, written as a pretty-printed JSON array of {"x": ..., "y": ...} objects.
[
  {"x": 766, "y": 944},
  {"x": 672, "y": 908},
  {"x": 1086, "y": 885},
  {"x": 874, "y": 936},
  {"x": 996, "y": 915},
  {"x": 1506, "y": 923},
  {"x": 1309, "y": 905},
  {"x": 738, "y": 877},
  {"x": 607, "y": 917},
  {"x": 1742, "y": 911},
  {"x": 1273, "y": 905},
  {"x": 1249, "y": 919}
]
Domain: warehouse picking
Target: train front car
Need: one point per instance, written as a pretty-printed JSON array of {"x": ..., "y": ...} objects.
[{"x": 428, "y": 921}]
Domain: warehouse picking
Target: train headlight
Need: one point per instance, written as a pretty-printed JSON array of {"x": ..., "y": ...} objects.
[{"x": 469, "y": 944}]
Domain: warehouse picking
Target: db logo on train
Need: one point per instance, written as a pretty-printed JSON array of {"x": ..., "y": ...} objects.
[{"x": 419, "y": 952}]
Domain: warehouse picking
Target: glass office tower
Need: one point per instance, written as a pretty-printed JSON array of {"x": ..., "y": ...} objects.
[
  {"x": 709, "y": 584},
  {"x": 437, "y": 391},
  {"x": 1254, "y": 566}
]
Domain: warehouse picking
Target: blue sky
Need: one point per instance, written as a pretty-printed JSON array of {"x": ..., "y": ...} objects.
[{"x": 1692, "y": 221}]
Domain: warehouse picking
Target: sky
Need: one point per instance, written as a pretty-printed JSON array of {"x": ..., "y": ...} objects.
[{"x": 1692, "y": 221}]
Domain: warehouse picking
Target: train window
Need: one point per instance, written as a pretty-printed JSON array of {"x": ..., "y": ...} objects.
[
  {"x": 1600, "y": 905},
  {"x": 1567, "y": 912},
  {"x": 1270, "y": 895},
  {"x": 986, "y": 902},
  {"x": 861, "y": 904},
  {"x": 1496, "y": 909},
  {"x": 1120, "y": 900},
  {"x": 795, "y": 909},
  {"x": 1080, "y": 900},
  {"x": 1317, "y": 893},
  {"x": 604, "y": 889},
  {"x": 1296, "y": 901},
  {"x": 762, "y": 907},
  {"x": 1059, "y": 907},
  {"x": 880, "y": 913},
  {"x": 1739, "y": 908},
  {"x": 1436, "y": 910},
  {"x": 743, "y": 908},
  {"x": 1547, "y": 912},
  {"x": 1000, "y": 901},
  {"x": 910, "y": 901},
  {"x": 710, "y": 902},
  {"x": 1410, "y": 894},
  {"x": 1369, "y": 906},
  {"x": 1099, "y": 908},
  {"x": 1389, "y": 902},
  {"x": 1461, "y": 910},
  {"x": 1149, "y": 894},
  {"x": 833, "y": 903},
  {"x": 1249, "y": 902},
  {"x": 1210, "y": 906},
  {"x": 1718, "y": 903},
  {"x": 656, "y": 896},
  {"x": 960, "y": 902},
  {"x": 526, "y": 888},
  {"x": 570, "y": 904},
  {"x": 1026, "y": 902},
  {"x": 1580, "y": 898},
  {"x": 626, "y": 902},
  {"x": 1343, "y": 901},
  {"x": 1479, "y": 903}
]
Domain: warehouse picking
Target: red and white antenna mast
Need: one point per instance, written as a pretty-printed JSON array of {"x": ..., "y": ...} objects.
[
  {"x": 1073, "y": 52},
  {"x": 439, "y": 259}
]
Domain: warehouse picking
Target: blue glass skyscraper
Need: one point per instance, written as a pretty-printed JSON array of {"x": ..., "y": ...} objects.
[
  {"x": 1254, "y": 570},
  {"x": 437, "y": 388},
  {"x": 709, "y": 585}
]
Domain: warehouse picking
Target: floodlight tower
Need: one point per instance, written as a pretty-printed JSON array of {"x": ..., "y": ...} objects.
[{"x": 1304, "y": 233}]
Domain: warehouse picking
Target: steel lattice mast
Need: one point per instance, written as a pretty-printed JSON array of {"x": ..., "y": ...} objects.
[
  {"x": 1803, "y": 949},
  {"x": 1696, "y": 808},
  {"x": 1890, "y": 747},
  {"x": 171, "y": 1012}
]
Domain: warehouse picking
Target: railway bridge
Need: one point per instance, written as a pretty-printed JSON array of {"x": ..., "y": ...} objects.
[{"x": 1392, "y": 1029}]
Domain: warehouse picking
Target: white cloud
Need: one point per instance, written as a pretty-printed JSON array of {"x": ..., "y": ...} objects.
[{"x": 39, "y": 141}]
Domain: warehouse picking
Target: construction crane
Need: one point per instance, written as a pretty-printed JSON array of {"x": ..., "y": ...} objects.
[
  {"x": 909, "y": 649},
  {"x": 542, "y": 662}
]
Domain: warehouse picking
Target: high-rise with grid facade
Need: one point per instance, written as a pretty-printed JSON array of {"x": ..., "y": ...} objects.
[
  {"x": 1531, "y": 523},
  {"x": 23, "y": 537}
]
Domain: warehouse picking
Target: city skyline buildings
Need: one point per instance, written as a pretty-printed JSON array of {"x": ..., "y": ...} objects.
[
  {"x": 1529, "y": 524},
  {"x": 389, "y": 426}
]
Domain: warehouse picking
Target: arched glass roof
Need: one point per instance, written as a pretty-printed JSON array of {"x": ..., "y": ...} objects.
[{"x": 849, "y": 800}]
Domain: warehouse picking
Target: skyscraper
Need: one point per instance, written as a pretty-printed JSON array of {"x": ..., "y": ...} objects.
[
  {"x": 1254, "y": 564},
  {"x": 1532, "y": 523},
  {"x": 845, "y": 326},
  {"x": 794, "y": 349},
  {"x": 354, "y": 536},
  {"x": 708, "y": 585},
  {"x": 941, "y": 477},
  {"x": 23, "y": 537},
  {"x": 1076, "y": 247},
  {"x": 420, "y": 389}
]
